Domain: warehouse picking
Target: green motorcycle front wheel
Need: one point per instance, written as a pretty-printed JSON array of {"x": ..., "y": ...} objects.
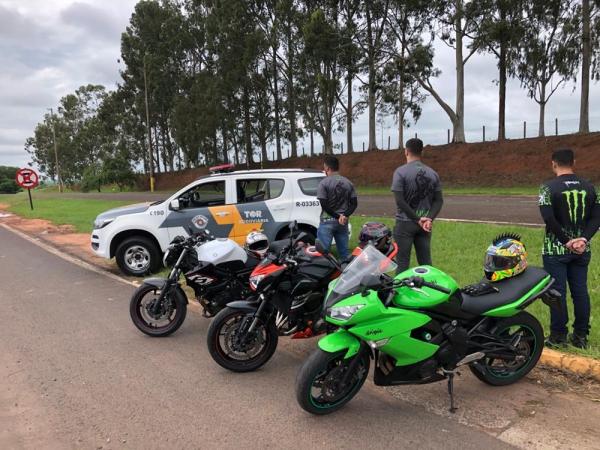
[{"x": 319, "y": 388}]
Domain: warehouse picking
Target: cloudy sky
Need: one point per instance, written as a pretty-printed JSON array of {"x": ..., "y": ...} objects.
[{"x": 49, "y": 48}]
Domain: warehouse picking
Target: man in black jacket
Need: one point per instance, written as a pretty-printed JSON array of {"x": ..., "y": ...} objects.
[
  {"x": 418, "y": 193},
  {"x": 338, "y": 201},
  {"x": 570, "y": 207}
]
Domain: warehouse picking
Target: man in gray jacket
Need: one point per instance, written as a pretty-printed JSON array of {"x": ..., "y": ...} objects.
[{"x": 418, "y": 193}]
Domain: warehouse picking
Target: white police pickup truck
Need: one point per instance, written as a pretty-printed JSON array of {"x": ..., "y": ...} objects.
[{"x": 227, "y": 203}]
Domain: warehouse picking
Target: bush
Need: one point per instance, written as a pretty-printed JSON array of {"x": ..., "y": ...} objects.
[{"x": 8, "y": 184}]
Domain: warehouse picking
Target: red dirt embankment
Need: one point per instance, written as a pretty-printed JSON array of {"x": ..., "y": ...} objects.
[{"x": 521, "y": 162}]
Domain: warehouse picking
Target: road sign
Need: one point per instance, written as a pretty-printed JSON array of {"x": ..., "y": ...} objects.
[{"x": 28, "y": 179}]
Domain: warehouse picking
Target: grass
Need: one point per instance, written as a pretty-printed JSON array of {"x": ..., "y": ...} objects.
[
  {"x": 458, "y": 249},
  {"x": 80, "y": 213},
  {"x": 459, "y": 190}
]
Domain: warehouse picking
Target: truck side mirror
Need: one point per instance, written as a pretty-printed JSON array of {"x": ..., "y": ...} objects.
[{"x": 174, "y": 205}]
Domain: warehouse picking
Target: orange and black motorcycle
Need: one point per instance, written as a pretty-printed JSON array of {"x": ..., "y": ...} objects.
[{"x": 288, "y": 292}]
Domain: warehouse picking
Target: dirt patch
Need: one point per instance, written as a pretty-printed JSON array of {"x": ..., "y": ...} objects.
[
  {"x": 4, "y": 206},
  {"x": 520, "y": 162}
]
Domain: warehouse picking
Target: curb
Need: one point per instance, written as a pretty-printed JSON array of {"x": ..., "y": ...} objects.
[{"x": 574, "y": 364}]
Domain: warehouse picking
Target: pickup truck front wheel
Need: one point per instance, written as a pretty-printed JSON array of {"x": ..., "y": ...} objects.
[{"x": 138, "y": 256}]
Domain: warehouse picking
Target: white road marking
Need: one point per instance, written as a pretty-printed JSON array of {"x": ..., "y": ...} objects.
[
  {"x": 85, "y": 265},
  {"x": 69, "y": 258}
]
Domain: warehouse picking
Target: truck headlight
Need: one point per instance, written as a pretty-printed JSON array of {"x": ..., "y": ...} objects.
[
  {"x": 344, "y": 312},
  {"x": 101, "y": 223}
]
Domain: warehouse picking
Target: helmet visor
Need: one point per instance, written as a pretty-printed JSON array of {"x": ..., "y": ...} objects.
[{"x": 494, "y": 263}]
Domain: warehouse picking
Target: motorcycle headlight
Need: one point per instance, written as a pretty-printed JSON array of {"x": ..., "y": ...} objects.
[
  {"x": 344, "y": 312},
  {"x": 165, "y": 257},
  {"x": 254, "y": 280},
  {"x": 101, "y": 223}
]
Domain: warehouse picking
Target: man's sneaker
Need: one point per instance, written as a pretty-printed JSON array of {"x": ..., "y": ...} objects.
[
  {"x": 578, "y": 340},
  {"x": 556, "y": 340}
]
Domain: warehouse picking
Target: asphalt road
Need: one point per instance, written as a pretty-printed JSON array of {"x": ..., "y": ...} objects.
[
  {"x": 75, "y": 373},
  {"x": 514, "y": 209}
]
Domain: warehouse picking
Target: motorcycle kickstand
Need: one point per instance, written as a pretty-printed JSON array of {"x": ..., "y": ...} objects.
[{"x": 451, "y": 374}]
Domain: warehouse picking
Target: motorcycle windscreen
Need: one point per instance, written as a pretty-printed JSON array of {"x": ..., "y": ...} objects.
[{"x": 370, "y": 264}]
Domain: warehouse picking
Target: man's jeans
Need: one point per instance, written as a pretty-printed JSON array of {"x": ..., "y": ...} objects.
[
  {"x": 329, "y": 229},
  {"x": 407, "y": 233},
  {"x": 574, "y": 270}
]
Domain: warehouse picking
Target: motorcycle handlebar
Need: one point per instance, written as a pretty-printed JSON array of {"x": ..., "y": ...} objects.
[{"x": 419, "y": 282}]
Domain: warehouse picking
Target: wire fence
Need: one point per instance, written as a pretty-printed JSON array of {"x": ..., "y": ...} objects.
[{"x": 388, "y": 139}]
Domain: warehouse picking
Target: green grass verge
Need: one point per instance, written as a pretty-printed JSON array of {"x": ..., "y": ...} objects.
[
  {"x": 449, "y": 190},
  {"x": 459, "y": 248},
  {"x": 61, "y": 211}
]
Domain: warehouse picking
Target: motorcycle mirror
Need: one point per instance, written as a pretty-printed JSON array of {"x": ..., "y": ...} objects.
[
  {"x": 293, "y": 225},
  {"x": 320, "y": 248}
]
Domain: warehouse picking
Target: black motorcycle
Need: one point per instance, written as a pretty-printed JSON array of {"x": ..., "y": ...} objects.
[
  {"x": 217, "y": 275},
  {"x": 288, "y": 287}
]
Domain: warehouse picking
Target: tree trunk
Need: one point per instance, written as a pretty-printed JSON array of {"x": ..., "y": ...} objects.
[
  {"x": 371, "y": 101},
  {"x": 312, "y": 143},
  {"x": 502, "y": 93},
  {"x": 225, "y": 149},
  {"x": 247, "y": 127},
  {"x": 349, "y": 117},
  {"x": 291, "y": 94},
  {"x": 276, "y": 104},
  {"x": 459, "y": 123},
  {"x": 542, "y": 104},
  {"x": 401, "y": 114},
  {"x": 584, "y": 108}
]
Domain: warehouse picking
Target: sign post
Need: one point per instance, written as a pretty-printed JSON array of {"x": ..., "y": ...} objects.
[{"x": 28, "y": 179}]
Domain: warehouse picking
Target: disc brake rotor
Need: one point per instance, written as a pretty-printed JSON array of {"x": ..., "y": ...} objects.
[{"x": 242, "y": 346}]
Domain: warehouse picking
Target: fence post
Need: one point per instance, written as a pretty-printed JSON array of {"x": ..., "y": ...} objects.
[
  {"x": 484, "y": 133},
  {"x": 416, "y": 137},
  {"x": 273, "y": 153},
  {"x": 342, "y": 147},
  {"x": 524, "y": 129},
  {"x": 388, "y": 142},
  {"x": 556, "y": 125},
  {"x": 363, "y": 146},
  {"x": 448, "y": 135}
]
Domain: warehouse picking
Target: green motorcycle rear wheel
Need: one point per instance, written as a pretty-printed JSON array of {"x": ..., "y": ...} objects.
[
  {"x": 318, "y": 388},
  {"x": 497, "y": 372}
]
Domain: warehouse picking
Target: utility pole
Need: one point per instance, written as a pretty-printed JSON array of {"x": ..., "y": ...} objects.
[
  {"x": 148, "y": 129},
  {"x": 55, "y": 152}
]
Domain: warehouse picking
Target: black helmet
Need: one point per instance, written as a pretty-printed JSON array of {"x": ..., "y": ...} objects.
[{"x": 376, "y": 233}]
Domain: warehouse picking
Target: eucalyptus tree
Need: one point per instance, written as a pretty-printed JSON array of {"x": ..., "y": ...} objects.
[{"x": 549, "y": 53}]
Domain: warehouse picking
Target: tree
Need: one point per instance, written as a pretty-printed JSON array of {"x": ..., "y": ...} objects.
[
  {"x": 549, "y": 52},
  {"x": 372, "y": 40},
  {"x": 498, "y": 28},
  {"x": 408, "y": 21},
  {"x": 322, "y": 71},
  {"x": 454, "y": 24},
  {"x": 8, "y": 185},
  {"x": 587, "y": 15}
]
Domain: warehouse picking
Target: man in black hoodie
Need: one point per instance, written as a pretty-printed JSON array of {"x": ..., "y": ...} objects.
[
  {"x": 338, "y": 201},
  {"x": 570, "y": 207},
  {"x": 418, "y": 193}
]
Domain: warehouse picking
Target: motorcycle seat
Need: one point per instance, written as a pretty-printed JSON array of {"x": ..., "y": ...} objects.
[{"x": 509, "y": 291}]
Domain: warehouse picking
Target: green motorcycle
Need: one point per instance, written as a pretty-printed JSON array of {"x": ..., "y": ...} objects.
[{"x": 420, "y": 328}]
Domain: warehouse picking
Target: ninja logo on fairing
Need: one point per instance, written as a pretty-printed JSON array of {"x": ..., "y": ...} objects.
[{"x": 576, "y": 203}]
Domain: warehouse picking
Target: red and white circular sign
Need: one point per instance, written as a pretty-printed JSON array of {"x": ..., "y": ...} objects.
[{"x": 27, "y": 178}]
